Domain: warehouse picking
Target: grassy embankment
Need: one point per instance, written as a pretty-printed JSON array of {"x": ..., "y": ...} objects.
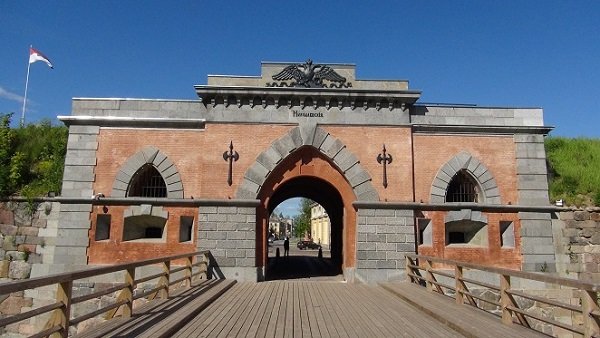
[{"x": 574, "y": 166}]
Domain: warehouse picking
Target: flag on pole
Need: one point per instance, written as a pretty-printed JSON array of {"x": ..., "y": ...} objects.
[{"x": 36, "y": 55}]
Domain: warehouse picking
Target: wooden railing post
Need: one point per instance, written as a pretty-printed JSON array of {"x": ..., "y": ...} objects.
[
  {"x": 589, "y": 304},
  {"x": 458, "y": 275},
  {"x": 188, "y": 271},
  {"x": 407, "y": 263},
  {"x": 63, "y": 295},
  {"x": 204, "y": 266},
  {"x": 505, "y": 299},
  {"x": 128, "y": 292},
  {"x": 164, "y": 280},
  {"x": 428, "y": 275}
]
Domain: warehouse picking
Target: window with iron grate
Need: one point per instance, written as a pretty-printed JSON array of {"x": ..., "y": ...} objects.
[
  {"x": 147, "y": 182},
  {"x": 462, "y": 188}
]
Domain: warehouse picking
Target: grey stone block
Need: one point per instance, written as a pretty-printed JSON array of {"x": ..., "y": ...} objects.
[
  {"x": 307, "y": 132},
  {"x": 366, "y": 212},
  {"x": 269, "y": 158},
  {"x": 257, "y": 173},
  {"x": 528, "y": 138},
  {"x": 386, "y": 264},
  {"x": 532, "y": 182},
  {"x": 362, "y": 176},
  {"x": 333, "y": 150},
  {"x": 370, "y": 195},
  {"x": 248, "y": 190},
  {"x": 76, "y": 207},
  {"x": 367, "y": 229},
  {"x": 74, "y": 129},
  {"x": 345, "y": 160},
  {"x": 395, "y": 238},
  {"x": 366, "y": 264},
  {"x": 531, "y": 166},
  {"x": 319, "y": 137},
  {"x": 79, "y": 173}
]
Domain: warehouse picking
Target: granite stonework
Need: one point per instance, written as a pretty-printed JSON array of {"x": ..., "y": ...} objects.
[
  {"x": 229, "y": 232},
  {"x": 384, "y": 236},
  {"x": 537, "y": 245},
  {"x": 69, "y": 250},
  {"x": 257, "y": 100}
]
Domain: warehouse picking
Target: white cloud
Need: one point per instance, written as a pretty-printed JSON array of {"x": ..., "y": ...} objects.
[{"x": 5, "y": 94}]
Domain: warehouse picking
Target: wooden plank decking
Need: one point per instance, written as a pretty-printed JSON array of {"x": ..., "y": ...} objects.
[
  {"x": 470, "y": 321},
  {"x": 311, "y": 309}
]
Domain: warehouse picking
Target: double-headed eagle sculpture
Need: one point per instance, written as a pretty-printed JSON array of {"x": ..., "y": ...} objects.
[{"x": 309, "y": 75}]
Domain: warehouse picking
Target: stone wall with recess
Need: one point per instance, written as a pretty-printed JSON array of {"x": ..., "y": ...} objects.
[
  {"x": 577, "y": 243},
  {"x": 26, "y": 234}
]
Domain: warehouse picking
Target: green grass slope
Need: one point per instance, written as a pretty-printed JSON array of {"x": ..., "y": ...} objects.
[{"x": 574, "y": 167}]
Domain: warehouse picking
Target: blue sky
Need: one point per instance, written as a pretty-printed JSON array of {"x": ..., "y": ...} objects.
[
  {"x": 491, "y": 53},
  {"x": 499, "y": 53}
]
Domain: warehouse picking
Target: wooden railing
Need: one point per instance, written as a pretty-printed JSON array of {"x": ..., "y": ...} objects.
[
  {"x": 420, "y": 270},
  {"x": 128, "y": 291}
]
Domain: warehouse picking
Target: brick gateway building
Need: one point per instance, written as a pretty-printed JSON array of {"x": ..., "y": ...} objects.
[{"x": 395, "y": 176}]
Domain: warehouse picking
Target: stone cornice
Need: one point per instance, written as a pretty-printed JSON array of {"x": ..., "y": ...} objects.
[
  {"x": 279, "y": 96},
  {"x": 473, "y": 129},
  {"x": 138, "y": 122}
]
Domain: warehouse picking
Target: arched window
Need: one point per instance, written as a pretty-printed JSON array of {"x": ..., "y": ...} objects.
[
  {"x": 462, "y": 188},
  {"x": 147, "y": 182}
]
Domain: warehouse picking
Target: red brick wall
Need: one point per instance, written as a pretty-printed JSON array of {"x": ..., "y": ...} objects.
[
  {"x": 497, "y": 153},
  {"x": 492, "y": 254},
  {"x": 198, "y": 157},
  {"x": 367, "y": 142},
  {"x": 114, "y": 250},
  {"x": 197, "y": 154}
]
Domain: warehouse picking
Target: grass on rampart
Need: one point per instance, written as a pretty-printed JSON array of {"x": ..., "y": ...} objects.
[{"x": 574, "y": 167}]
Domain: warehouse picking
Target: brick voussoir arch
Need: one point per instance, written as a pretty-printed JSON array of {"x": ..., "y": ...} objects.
[
  {"x": 164, "y": 165},
  {"x": 465, "y": 161},
  {"x": 328, "y": 145}
]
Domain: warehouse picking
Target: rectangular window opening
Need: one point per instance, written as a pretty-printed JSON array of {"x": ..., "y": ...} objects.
[
  {"x": 455, "y": 237},
  {"x": 186, "y": 225},
  {"x": 507, "y": 234},
  {"x": 102, "y": 227},
  {"x": 425, "y": 231}
]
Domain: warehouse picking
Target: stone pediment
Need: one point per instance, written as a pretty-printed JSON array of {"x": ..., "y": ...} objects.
[{"x": 307, "y": 84}]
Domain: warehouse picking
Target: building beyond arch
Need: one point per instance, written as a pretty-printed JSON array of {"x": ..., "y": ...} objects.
[{"x": 387, "y": 159}]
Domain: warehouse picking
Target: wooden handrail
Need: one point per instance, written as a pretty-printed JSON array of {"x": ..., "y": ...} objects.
[
  {"x": 540, "y": 277},
  {"x": 37, "y": 282},
  {"x": 60, "y": 320},
  {"x": 509, "y": 307}
]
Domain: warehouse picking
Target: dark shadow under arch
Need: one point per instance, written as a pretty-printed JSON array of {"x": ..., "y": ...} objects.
[{"x": 327, "y": 196}]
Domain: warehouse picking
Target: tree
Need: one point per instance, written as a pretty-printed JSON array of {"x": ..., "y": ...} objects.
[
  {"x": 302, "y": 220},
  {"x": 6, "y": 150}
]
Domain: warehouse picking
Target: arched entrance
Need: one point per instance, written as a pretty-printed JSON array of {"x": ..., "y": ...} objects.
[
  {"x": 329, "y": 198},
  {"x": 308, "y": 173}
]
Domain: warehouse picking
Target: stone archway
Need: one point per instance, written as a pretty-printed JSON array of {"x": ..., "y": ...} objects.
[
  {"x": 162, "y": 163},
  {"x": 328, "y": 145},
  {"x": 309, "y": 152},
  {"x": 479, "y": 172}
]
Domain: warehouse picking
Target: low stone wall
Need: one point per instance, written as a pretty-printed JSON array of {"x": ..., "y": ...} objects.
[
  {"x": 23, "y": 228},
  {"x": 577, "y": 243}
]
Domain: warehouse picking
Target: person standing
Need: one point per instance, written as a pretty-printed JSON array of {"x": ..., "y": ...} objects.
[{"x": 286, "y": 247}]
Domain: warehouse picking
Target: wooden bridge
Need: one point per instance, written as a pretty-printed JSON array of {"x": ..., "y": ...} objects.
[{"x": 443, "y": 300}]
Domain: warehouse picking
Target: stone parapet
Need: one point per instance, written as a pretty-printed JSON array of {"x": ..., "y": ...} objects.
[
  {"x": 384, "y": 236},
  {"x": 229, "y": 233},
  {"x": 577, "y": 241}
]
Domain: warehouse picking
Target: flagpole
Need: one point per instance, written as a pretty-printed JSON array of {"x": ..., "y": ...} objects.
[{"x": 25, "y": 97}]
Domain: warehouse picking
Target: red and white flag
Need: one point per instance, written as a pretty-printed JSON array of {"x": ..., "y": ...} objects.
[{"x": 36, "y": 55}]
